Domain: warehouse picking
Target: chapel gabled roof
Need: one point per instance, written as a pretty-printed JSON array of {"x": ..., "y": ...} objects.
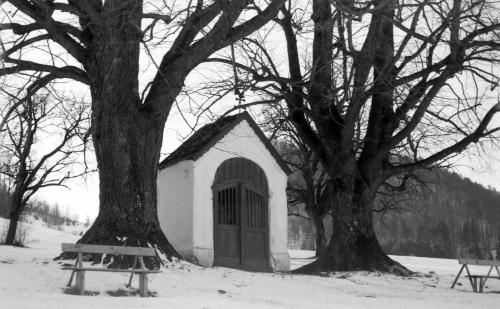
[{"x": 208, "y": 135}]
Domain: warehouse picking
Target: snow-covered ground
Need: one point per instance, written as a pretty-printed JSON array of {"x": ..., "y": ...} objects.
[{"x": 29, "y": 278}]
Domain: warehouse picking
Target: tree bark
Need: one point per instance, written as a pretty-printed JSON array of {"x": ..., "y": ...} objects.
[
  {"x": 353, "y": 245},
  {"x": 11, "y": 233},
  {"x": 318, "y": 227},
  {"x": 127, "y": 142},
  {"x": 320, "y": 236},
  {"x": 127, "y": 135},
  {"x": 127, "y": 153},
  {"x": 354, "y": 179},
  {"x": 15, "y": 214}
]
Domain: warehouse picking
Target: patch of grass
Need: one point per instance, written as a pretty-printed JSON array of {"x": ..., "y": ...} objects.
[
  {"x": 121, "y": 292},
  {"x": 72, "y": 290}
]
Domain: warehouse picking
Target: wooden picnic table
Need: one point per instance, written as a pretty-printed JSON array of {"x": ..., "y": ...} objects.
[{"x": 477, "y": 281}]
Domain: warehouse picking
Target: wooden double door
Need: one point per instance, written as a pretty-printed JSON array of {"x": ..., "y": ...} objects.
[{"x": 241, "y": 237}]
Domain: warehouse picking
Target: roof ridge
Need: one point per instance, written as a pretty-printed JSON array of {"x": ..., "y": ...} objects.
[{"x": 208, "y": 135}]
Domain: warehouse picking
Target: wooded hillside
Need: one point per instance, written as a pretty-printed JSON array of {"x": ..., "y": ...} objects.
[{"x": 449, "y": 216}]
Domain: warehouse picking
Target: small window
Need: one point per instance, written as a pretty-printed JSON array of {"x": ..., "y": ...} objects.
[
  {"x": 227, "y": 211},
  {"x": 255, "y": 207}
]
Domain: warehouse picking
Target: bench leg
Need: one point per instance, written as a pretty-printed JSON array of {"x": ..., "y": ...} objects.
[
  {"x": 456, "y": 278},
  {"x": 72, "y": 275},
  {"x": 80, "y": 281},
  {"x": 474, "y": 284},
  {"x": 71, "y": 278},
  {"x": 470, "y": 278},
  {"x": 483, "y": 280},
  {"x": 129, "y": 284},
  {"x": 143, "y": 284},
  {"x": 482, "y": 283},
  {"x": 132, "y": 273}
]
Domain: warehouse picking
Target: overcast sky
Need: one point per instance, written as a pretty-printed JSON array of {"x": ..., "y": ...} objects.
[{"x": 82, "y": 197}]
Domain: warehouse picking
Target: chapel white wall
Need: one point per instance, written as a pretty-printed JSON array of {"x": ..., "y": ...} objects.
[{"x": 175, "y": 205}]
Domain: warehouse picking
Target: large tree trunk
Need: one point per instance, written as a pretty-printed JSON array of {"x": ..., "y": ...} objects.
[
  {"x": 127, "y": 142},
  {"x": 353, "y": 244},
  {"x": 127, "y": 152},
  {"x": 127, "y": 136},
  {"x": 355, "y": 179}
]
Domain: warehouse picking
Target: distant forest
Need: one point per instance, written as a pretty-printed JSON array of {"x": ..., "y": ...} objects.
[{"x": 448, "y": 217}]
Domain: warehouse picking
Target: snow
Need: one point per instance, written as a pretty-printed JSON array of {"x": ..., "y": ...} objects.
[{"x": 29, "y": 278}]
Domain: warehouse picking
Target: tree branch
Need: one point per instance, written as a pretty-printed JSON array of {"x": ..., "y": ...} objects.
[{"x": 455, "y": 148}]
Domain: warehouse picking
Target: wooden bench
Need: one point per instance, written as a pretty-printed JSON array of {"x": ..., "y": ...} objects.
[
  {"x": 477, "y": 281},
  {"x": 80, "y": 270}
]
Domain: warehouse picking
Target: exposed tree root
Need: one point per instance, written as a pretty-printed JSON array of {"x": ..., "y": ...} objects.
[
  {"x": 322, "y": 265},
  {"x": 363, "y": 254}
]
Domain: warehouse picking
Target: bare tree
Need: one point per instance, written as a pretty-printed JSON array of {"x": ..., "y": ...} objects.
[
  {"x": 377, "y": 90},
  {"x": 40, "y": 145},
  {"x": 100, "y": 44},
  {"x": 308, "y": 184}
]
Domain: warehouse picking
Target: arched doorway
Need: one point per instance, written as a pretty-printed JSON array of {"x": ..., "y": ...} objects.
[{"x": 241, "y": 229}]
